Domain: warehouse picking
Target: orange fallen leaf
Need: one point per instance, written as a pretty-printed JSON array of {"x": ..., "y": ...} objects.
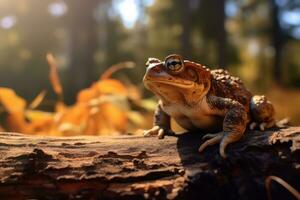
[
  {"x": 14, "y": 106},
  {"x": 11, "y": 102},
  {"x": 107, "y": 74},
  {"x": 40, "y": 121},
  {"x": 111, "y": 86},
  {"x": 53, "y": 76},
  {"x": 103, "y": 108},
  {"x": 38, "y": 100}
]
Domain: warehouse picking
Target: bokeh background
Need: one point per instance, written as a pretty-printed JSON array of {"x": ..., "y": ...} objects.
[{"x": 257, "y": 40}]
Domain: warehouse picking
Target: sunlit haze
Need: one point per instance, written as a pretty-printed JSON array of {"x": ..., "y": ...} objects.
[
  {"x": 129, "y": 10},
  {"x": 57, "y": 9},
  {"x": 8, "y": 22}
]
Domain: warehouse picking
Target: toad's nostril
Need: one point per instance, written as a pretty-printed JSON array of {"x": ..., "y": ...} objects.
[{"x": 156, "y": 69}]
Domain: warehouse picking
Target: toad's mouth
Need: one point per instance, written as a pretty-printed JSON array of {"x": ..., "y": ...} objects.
[{"x": 181, "y": 84}]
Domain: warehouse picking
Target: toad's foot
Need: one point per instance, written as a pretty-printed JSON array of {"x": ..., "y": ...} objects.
[
  {"x": 159, "y": 131},
  {"x": 211, "y": 135},
  {"x": 262, "y": 126},
  {"x": 282, "y": 123},
  {"x": 213, "y": 139},
  {"x": 224, "y": 138}
]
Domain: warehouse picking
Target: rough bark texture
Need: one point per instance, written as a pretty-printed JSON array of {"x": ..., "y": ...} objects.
[{"x": 133, "y": 167}]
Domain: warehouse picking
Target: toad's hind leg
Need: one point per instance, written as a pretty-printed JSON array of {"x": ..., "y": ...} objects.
[
  {"x": 262, "y": 112},
  {"x": 234, "y": 123}
]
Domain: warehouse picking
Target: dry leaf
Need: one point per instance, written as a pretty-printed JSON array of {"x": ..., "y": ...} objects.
[
  {"x": 54, "y": 77},
  {"x": 40, "y": 121},
  {"x": 111, "y": 86},
  {"x": 103, "y": 108},
  {"x": 38, "y": 100},
  {"x": 14, "y": 106},
  {"x": 11, "y": 102},
  {"x": 122, "y": 65}
]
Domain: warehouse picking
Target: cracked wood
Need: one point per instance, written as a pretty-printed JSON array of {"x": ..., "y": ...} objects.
[{"x": 133, "y": 167}]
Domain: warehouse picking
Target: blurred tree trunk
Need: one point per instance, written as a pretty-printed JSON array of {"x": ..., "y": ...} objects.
[
  {"x": 278, "y": 42},
  {"x": 186, "y": 28},
  {"x": 83, "y": 43},
  {"x": 141, "y": 35},
  {"x": 213, "y": 27},
  {"x": 221, "y": 32}
]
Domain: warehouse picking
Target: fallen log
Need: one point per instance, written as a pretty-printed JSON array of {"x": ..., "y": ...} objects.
[{"x": 135, "y": 167}]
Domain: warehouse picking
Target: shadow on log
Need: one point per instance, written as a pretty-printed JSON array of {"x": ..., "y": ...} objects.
[{"x": 133, "y": 167}]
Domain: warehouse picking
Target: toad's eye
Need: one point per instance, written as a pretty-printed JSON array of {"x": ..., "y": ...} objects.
[{"x": 174, "y": 65}]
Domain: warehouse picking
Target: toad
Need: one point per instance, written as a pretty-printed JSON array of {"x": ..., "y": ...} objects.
[{"x": 197, "y": 98}]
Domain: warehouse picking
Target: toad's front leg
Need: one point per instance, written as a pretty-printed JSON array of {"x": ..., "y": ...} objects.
[
  {"x": 161, "y": 124},
  {"x": 234, "y": 124}
]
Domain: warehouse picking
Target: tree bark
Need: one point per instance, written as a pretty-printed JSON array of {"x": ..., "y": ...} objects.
[{"x": 135, "y": 167}]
